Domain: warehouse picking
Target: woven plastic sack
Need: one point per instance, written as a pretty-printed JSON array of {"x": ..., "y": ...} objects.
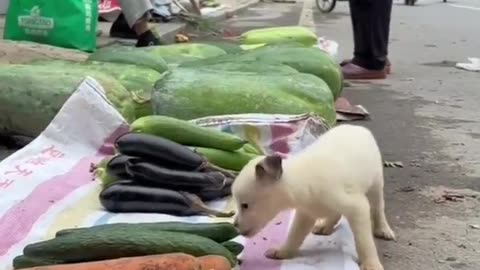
[{"x": 66, "y": 23}]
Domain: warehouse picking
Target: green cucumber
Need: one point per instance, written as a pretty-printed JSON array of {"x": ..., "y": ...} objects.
[
  {"x": 218, "y": 232},
  {"x": 234, "y": 247},
  {"x": 230, "y": 160},
  {"x": 23, "y": 261},
  {"x": 119, "y": 243},
  {"x": 252, "y": 149},
  {"x": 186, "y": 133}
]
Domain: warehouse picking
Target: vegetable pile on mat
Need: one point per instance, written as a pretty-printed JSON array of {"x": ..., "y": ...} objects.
[
  {"x": 166, "y": 164},
  {"x": 171, "y": 166},
  {"x": 188, "y": 246},
  {"x": 273, "y": 70}
]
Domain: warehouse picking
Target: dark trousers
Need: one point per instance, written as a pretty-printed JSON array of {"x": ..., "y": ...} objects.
[{"x": 371, "y": 27}]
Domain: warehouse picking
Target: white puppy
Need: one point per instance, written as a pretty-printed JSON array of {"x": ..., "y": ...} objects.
[{"x": 340, "y": 174}]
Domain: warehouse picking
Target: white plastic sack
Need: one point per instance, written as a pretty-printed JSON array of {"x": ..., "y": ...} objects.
[{"x": 46, "y": 186}]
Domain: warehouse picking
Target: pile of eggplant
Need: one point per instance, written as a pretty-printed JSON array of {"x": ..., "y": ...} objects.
[{"x": 151, "y": 174}]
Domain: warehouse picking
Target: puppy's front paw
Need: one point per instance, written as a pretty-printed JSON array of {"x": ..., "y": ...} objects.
[
  {"x": 371, "y": 266},
  {"x": 323, "y": 229},
  {"x": 278, "y": 254},
  {"x": 385, "y": 233}
]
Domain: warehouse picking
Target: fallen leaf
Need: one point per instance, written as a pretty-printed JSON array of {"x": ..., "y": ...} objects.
[{"x": 475, "y": 226}]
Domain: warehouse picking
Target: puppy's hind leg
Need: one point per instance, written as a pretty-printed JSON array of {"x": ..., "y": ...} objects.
[
  {"x": 381, "y": 228},
  {"x": 357, "y": 212},
  {"x": 301, "y": 227}
]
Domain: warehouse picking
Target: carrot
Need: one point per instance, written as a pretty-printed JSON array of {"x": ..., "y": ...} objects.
[
  {"x": 170, "y": 261},
  {"x": 214, "y": 262}
]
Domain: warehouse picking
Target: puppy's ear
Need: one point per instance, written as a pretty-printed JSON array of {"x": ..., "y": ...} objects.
[{"x": 269, "y": 168}]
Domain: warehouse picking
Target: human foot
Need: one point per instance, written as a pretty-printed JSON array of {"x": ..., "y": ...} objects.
[
  {"x": 388, "y": 65},
  {"x": 353, "y": 72}
]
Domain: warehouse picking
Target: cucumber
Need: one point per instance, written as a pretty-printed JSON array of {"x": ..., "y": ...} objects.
[
  {"x": 186, "y": 133},
  {"x": 23, "y": 261},
  {"x": 252, "y": 149},
  {"x": 230, "y": 160},
  {"x": 119, "y": 243},
  {"x": 234, "y": 247},
  {"x": 218, "y": 232}
]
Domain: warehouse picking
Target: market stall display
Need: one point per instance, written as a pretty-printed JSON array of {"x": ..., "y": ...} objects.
[{"x": 175, "y": 134}]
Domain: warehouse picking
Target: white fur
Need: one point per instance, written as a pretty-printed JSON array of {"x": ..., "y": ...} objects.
[{"x": 340, "y": 174}]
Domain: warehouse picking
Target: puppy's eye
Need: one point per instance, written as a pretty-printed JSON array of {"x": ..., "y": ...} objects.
[{"x": 244, "y": 206}]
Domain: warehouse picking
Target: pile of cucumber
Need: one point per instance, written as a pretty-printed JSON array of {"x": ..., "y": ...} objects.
[
  {"x": 113, "y": 241},
  {"x": 171, "y": 166}
]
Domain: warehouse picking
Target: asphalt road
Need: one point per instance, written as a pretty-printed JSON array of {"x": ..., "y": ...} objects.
[{"x": 426, "y": 114}]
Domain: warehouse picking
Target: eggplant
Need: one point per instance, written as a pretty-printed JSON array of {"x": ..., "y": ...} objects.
[
  {"x": 215, "y": 194},
  {"x": 125, "y": 196},
  {"x": 117, "y": 166},
  {"x": 160, "y": 150},
  {"x": 149, "y": 174}
]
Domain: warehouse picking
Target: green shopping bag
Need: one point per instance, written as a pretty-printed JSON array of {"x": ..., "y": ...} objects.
[{"x": 62, "y": 23}]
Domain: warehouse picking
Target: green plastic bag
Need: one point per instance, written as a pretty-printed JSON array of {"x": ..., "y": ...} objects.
[{"x": 66, "y": 23}]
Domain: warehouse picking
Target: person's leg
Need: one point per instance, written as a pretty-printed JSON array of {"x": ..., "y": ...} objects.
[
  {"x": 370, "y": 22},
  {"x": 137, "y": 15}
]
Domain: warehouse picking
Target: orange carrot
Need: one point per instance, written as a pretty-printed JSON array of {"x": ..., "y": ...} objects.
[
  {"x": 214, "y": 262},
  {"x": 171, "y": 261}
]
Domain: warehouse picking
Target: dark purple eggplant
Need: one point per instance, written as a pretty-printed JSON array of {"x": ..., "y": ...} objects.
[
  {"x": 117, "y": 166},
  {"x": 160, "y": 150},
  {"x": 126, "y": 197},
  {"x": 215, "y": 194},
  {"x": 149, "y": 174}
]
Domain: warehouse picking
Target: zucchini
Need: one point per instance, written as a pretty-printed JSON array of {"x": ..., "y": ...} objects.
[
  {"x": 23, "y": 261},
  {"x": 225, "y": 159},
  {"x": 234, "y": 247},
  {"x": 163, "y": 151},
  {"x": 125, "y": 196},
  {"x": 251, "y": 149},
  {"x": 119, "y": 243},
  {"x": 146, "y": 173},
  {"x": 218, "y": 232},
  {"x": 186, "y": 133}
]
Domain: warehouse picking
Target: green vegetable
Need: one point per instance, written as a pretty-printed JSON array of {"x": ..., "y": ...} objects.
[
  {"x": 283, "y": 34},
  {"x": 31, "y": 96},
  {"x": 306, "y": 60},
  {"x": 230, "y": 160},
  {"x": 251, "y": 149},
  {"x": 137, "y": 80},
  {"x": 234, "y": 247},
  {"x": 183, "y": 52},
  {"x": 186, "y": 133},
  {"x": 129, "y": 55},
  {"x": 118, "y": 243},
  {"x": 229, "y": 48},
  {"x": 23, "y": 261},
  {"x": 218, "y": 232},
  {"x": 186, "y": 93},
  {"x": 227, "y": 63},
  {"x": 275, "y": 59}
]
